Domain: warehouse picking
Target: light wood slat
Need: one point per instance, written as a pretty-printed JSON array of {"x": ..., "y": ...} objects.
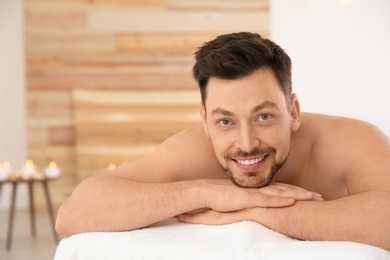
[
  {"x": 41, "y": 59},
  {"x": 49, "y": 97},
  {"x": 86, "y": 5},
  {"x": 108, "y": 63},
  {"x": 55, "y": 19},
  {"x": 163, "y": 41},
  {"x": 49, "y": 103},
  {"x": 176, "y": 21},
  {"x": 114, "y": 151},
  {"x": 136, "y": 115},
  {"x": 127, "y": 135},
  {"x": 60, "y": 153},
  {"x": 116, "y": 70},
  {"x": 96, "y": 81},
  {"x": 61, "y": 135},
  {"x": 44, "y": 137},
  {"x": 134, "y": 98},
  {"x": 37, "y": 136},
  {"x": 128, "y": 59},
  {"x": 218, "y": 4},
  {"x": 37, "y": 122},
  {"x": 67, "y": 41}
]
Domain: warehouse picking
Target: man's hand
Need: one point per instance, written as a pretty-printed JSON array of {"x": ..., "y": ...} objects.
[
  {"x": 226, "y": 197},
  {"x": 270, "y": 197},
  {"x": 212, "y": 217}
]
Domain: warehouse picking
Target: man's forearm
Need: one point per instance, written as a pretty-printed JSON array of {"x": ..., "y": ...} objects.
[
  {"x": 106, "y": 202},
  {"x": 111, "y": 203},
  {"x": 363, "y": 218}
]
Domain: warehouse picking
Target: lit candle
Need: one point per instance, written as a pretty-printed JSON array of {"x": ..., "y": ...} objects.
[
  {"x": 29, "y": 168},
  {"x": 7, "y": 167},
  {"x": 52, "y": 171},
  {"x": 111, "y": 166},
  {"x": 5, "y": 170}
]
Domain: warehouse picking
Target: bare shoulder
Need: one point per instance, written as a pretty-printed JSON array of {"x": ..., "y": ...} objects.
[
  {"x": 355, "y": 151},
  {"x": 193, "y": 154},
  {"x": 345, "y": 133},
  {"x": 186, "y": 155},
  {"x": 329, "y": 126}
]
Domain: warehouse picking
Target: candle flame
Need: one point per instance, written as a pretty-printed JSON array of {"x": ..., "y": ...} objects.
[
  {"x": 6, "y": 164},
  {"x": 52, "y": 164},
  {"x": 111, "y": 166},
  {"x": 29, "y": 163}
]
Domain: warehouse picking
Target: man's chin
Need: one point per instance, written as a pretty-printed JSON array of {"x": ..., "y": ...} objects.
[{"x": 250, "y": 183}]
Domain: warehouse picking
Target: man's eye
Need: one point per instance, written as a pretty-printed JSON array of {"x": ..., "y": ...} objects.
[
  {"x": 265, "y": 117},
  {"x": 224, "y": 122}
]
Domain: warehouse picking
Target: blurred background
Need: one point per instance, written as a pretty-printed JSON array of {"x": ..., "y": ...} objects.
[{"x": 51, "y": 48}]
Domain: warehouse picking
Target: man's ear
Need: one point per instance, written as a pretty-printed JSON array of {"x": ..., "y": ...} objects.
[
  {"x": 295, "y": 112},
  {"x": 203, "y": 115}
]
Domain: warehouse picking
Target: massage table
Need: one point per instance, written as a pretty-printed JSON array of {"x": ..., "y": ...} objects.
[{"x": 172, "y": 239}]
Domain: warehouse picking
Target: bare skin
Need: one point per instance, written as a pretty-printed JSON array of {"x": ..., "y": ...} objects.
[{"x": 343, "y": 161}]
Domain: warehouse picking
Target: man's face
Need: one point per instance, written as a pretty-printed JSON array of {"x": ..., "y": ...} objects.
[{"x": 250, "y": 126}]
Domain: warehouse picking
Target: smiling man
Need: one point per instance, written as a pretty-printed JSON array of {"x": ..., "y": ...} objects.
[
  {"x": 254, "y": 157},
  {"x": 251, "y": 139}
]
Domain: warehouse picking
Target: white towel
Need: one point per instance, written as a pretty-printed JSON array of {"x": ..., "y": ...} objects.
[{"x": 171, "y": 239}]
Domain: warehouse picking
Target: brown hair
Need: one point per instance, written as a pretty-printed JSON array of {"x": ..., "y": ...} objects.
[{"x": 236, "y": 55}]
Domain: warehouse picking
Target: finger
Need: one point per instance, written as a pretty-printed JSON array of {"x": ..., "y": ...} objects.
[
  {"x": 290, "y": 191},
  {"x": 269, "y": 201},
  {"x": 211, "y": 217}
]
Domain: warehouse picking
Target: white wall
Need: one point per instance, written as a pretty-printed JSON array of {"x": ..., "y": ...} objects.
[
  {"x": 341, "y": 55},
  {"x": 12, "y": 89}
]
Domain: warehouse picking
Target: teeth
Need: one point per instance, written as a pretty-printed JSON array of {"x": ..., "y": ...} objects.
[{"x": 250, "y": 162}]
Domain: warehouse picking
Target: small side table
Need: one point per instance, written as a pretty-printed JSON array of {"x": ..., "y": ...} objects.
[{"x": 17, "y": 179}]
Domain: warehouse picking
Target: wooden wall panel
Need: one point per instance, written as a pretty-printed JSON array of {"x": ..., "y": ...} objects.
[
  {"x": 149, "y": 21},
  {"x": 113, "y": 45},
  {"x": 121, "y": 126}
]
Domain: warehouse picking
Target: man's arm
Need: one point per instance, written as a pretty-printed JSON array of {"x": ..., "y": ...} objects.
[
  {"x": 362, "y": 218},
  {"x": 164, "y": 184}
]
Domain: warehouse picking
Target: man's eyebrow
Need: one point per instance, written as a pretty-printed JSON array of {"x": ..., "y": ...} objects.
[
  {"x": 265, "y": 104},
  {"x": 221, "y": 112}
]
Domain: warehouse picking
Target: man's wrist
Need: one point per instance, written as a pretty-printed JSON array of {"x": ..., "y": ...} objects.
[{"x": 195, "y": 194}]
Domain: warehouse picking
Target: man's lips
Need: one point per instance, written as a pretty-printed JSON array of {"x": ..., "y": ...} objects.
[{"x": 249, "y": 163}]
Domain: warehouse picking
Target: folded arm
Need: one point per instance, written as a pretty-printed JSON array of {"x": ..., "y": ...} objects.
[
  {"x": 362, "y": 218},
  {"x": 162, "y": 185},
  {"x": 111, "y": 203}
]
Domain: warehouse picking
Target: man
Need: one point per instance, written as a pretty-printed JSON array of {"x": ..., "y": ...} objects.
[{"x": 255, "y": 157}]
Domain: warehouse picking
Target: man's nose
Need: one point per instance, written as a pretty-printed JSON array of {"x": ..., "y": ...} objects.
[{"x": 247, "y": 139}]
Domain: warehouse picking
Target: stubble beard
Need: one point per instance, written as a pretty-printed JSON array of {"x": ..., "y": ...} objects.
[{"x": 254, "y": 179}]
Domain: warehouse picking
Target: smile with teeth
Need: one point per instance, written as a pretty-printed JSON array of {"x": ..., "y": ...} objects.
[{"x": 250, "y": 162}]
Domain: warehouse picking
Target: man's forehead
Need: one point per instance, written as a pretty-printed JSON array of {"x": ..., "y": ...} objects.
[{"x": 230, "y": 110}]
